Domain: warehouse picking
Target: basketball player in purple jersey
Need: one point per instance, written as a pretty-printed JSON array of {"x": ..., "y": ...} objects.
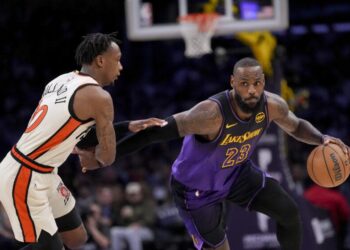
[{"x": 214, "y": 164}]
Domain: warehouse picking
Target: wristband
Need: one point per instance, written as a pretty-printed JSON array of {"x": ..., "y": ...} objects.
[
  {"x": 148, "y": 136},
  {"x": 122, "y": 127},
  {"x": 90, "y": 140}
]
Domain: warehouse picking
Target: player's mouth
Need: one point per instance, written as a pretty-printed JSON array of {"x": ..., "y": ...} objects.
[{"x": 252, "y": 100}]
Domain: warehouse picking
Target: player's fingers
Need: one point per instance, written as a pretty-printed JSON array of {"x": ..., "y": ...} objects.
[
  {"x": 158, "y": 121},
  {"x": 151, "y": 124},
  {"x": 155, "y": 121},
  {"x": 342, "y": 145},
  {"x": 80, "y": 152},
  {"x": 326, "y": 141},
  {"x": 164, "y": 124},
  {"x": 348, "y": 152}
]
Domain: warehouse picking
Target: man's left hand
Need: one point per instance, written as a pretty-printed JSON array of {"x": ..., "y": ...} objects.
[
  {"x": 329, "y": 139},
  {"x": 138, "y": 125}
]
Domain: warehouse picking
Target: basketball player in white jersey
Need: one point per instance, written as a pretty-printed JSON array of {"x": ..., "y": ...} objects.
[{"x": 40, "y": 207}]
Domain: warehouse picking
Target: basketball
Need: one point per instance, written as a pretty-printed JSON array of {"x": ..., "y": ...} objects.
[{"x": 328, "y": 166}]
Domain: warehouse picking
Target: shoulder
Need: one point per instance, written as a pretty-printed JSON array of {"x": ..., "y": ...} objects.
[
  {"x": 203, "y": 119},
  {"x": 94, "y": 97},
  {"x": 209, "y": 107},
  {"x": 277, "y": 106},
  {"x": 93, "y": 92}
]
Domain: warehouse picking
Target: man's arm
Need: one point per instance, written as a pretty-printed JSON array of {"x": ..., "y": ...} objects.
[
  {"x": 300, "y": 129},
  {"x": 204, "y": 119},
  {"x": 94, "y": 102},
  {"x": 121, "y": 130}
]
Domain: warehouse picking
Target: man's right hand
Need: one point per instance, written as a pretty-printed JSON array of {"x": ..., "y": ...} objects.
[{"x": 87, "y": 159}]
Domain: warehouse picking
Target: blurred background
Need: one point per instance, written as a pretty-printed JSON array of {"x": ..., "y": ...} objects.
[{"x": 307, "y": 62}]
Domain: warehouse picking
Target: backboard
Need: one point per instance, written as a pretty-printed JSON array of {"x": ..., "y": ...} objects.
[{"x": 148, "y": 20}]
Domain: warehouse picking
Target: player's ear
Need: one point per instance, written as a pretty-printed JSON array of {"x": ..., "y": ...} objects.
[
  {"x": 232, "y": 79},
  {"x": 99, "y": 61},
  {"x": 264, "y": 79}
]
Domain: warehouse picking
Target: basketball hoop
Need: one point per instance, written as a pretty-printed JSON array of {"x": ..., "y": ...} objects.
[{"x": 197, "y": 30}]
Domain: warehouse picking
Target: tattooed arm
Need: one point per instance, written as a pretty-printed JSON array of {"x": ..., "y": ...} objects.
[
  {"x": 300, "y": 129},
  {"x": 203, "y": 119},
  {"x": 94, "y": 102}
]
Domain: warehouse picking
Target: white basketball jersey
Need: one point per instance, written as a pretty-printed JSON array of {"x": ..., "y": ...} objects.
[{"x": 53, "y": 129}]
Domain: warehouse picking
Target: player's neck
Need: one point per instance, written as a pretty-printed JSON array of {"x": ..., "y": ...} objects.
[
  {"x": 241, "y": 114},
  {"x": 85, "y": 69}
]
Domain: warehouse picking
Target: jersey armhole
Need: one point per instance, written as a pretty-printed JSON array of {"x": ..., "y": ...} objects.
[
  {"x": 70, "y": 105},
  {"x": 267, "y": 109}
]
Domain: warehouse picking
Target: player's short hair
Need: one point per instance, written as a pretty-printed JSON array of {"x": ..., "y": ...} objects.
[
  {"x": 93, "y": 44},
  {"x": 245, "y": 62}
]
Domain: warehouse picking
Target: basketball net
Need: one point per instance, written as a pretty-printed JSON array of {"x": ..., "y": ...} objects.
[{"x": 197, "y": 31}]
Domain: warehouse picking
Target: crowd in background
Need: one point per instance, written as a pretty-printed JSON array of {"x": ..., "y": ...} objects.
[{"x": 131, "y": 198}]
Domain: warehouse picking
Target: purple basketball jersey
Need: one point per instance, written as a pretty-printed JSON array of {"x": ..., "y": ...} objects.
[{"x": 215, "y": 165}]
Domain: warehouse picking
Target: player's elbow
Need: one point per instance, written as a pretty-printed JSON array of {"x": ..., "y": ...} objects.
[
  {"x": 106, "y": 157},
  {"x": 109, "y": 161},
  {"x": 109, "y": 158}
]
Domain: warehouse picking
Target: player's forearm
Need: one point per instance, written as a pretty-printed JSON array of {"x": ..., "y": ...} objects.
[
  {"x": 90, "y": 140},
  {"x": 106, "y": 149},
  {"x": 135, "y": 142},
  {"x": 148, "y": 136},
  {"x": 307, "y": 133}
]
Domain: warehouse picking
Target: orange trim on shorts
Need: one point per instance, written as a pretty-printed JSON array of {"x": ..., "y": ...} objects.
[
  {"x": 23, "y": 159},
  {"x": 59, "y": 137},
  {"x": 20, "y": 193}
]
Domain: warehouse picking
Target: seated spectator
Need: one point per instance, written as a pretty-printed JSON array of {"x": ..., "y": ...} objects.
[
  {"x": 336, "y": 204},
  {"x": 169, "y": 229},
  {"x": 137, "y": 220},
  {"x": 99, "y": 215},
  {"x": 96, "y": 228}
]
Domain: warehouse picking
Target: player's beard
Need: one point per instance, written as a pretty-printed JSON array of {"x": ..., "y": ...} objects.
[{"x": 246, "y": 108}]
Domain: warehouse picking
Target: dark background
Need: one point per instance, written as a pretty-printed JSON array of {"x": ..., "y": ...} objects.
[{"x": 38, "y": 41}]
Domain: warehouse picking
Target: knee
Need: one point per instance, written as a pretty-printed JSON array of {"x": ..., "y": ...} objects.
[
  {"x": 77, "y": 240},
  {"x": 291, "y": 213}
]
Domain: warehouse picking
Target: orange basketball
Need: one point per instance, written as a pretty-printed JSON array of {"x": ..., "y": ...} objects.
[{"x": 328, "y": 166}]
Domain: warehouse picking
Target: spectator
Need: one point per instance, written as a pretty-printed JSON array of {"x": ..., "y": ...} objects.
[
  {"x": 169, "y": 230},
  {"x": 95, "y": 224},
  {"x": 336, "y": 204},
  {"x": 137, "y": 220}
]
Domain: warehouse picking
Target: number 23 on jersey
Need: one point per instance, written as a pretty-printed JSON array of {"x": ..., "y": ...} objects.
[{"x": 235, "y": 156}]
